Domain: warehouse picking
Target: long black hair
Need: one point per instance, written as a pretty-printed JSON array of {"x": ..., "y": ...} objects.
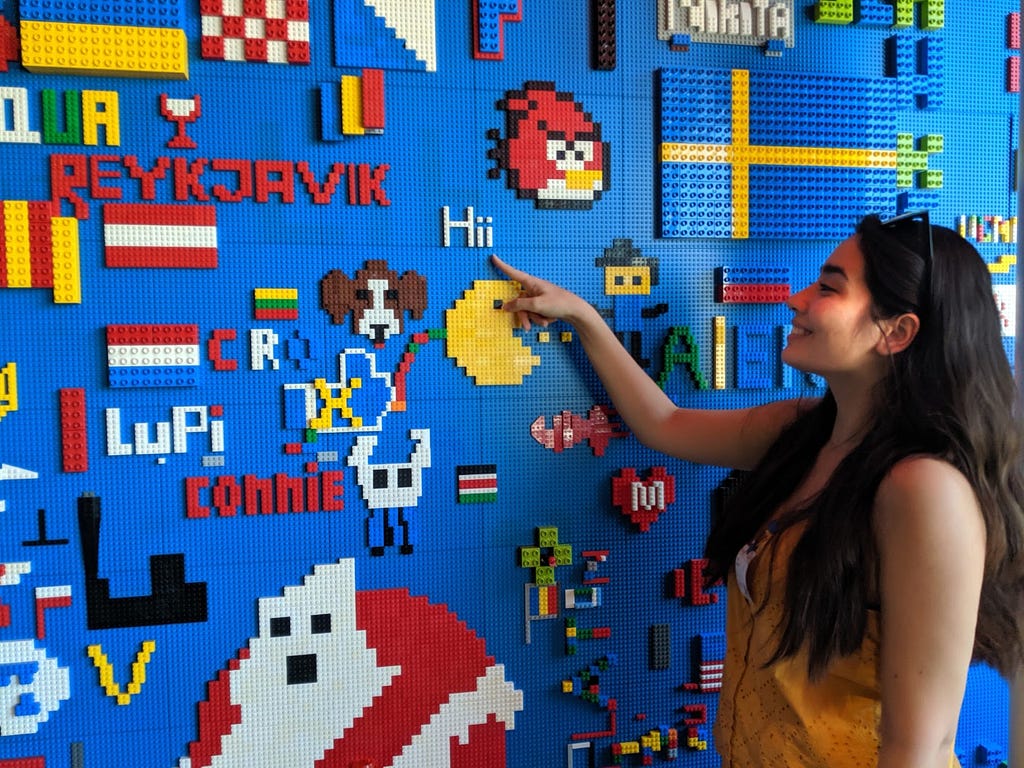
[{"x": 950, "y": 394}]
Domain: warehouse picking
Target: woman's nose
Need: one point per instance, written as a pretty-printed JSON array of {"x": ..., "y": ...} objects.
[{"x": 794, "y": 300}]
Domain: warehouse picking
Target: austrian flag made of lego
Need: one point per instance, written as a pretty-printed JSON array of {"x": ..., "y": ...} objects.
[{"x": 154, "y": 235}]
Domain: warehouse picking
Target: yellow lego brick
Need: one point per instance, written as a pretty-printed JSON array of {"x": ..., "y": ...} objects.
[
  {"x": 8, "y": 389},
  {"x": 1002, "y": 266},
  {"x": 673, "y": 152},
  {"x": 740, "y": 202},
  {"x": 566, "y": 337},
  {"x": 651, "y": 740},
  {"x": 67, "y": 279},
  {"x": 352, "y": 105},
  {"x": 18, "y": 245},
  {"x": 101, "y": 108},
  {"x": 103, "y": 49},
  {"x": 718, "y": 366},
  {"x": 276, "y": 293},
  {"x": 567, "y": 686},
  {"x": 740, "y": 107},
  {"x": 543, "y": 337},
  {"x": 619, "y": 281},
  {"x": 719, "y": 329}
]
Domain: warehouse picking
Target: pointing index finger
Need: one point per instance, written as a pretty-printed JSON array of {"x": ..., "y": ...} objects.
[{"x": 508, "y": 269}]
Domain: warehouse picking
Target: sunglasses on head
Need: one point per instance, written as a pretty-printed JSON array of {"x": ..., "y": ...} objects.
[{"x": 922, "y": 231}]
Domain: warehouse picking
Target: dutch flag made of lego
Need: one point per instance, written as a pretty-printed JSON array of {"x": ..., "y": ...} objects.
[{"x": 153, "y": 355}]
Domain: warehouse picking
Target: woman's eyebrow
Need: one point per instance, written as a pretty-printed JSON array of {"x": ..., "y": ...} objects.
[{"x": 832, "y": 269}]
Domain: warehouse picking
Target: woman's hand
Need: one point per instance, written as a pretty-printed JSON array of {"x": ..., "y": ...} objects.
[
  {"x": 726, "y": 438},
  {"x": 540, "y": 302}
]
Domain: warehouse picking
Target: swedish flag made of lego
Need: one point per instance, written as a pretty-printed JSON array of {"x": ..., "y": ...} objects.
[{"x": 767, "y": 154}]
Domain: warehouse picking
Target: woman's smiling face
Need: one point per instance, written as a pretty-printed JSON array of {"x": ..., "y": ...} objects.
[{"x": 835, "y": 333}]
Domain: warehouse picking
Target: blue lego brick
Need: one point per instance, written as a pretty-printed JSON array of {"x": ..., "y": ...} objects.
[
  {"x": 693, "y": 105},
  {"x": 169, "y": 14},
  {"x": 863, "y": 119},
  {"x": 696, "y": 200},
  {"x": 988, "y": 754},
  {"x": 916, "y": 64},
  {"x": 22, "y": 672},
  {"x": 680, "y": 42},
  {"x": 877, "y": 13},
  {"x": 491, "y": 17},
  {"x": 154, "y": 376},
  {"x": 330, "y": 112},
  {"x": 850, "y": 192},
  {"x": 303, "y": 351},
  {"x": 755, "y": 356},
  {"x": 27, "y": 705},
  {"x": 768, "y": 274}
]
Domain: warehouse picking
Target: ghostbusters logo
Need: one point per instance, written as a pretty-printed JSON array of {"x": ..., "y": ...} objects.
[{"x": 338, "y": 678}]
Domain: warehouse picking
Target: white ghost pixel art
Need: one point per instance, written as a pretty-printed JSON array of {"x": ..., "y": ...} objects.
[
  {"x": 32, "y": 685},
  {"x": 391, "y": 486},
  {"x": 339, "y": 678}
]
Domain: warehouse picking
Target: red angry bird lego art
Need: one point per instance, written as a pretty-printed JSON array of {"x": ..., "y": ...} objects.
[{"x": 552, "y": 151}]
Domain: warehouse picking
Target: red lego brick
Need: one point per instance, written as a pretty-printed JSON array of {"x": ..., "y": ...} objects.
[{"x": 73, "y": 432}]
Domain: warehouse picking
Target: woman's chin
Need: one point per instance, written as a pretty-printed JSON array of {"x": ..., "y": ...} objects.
[{"x": 793, "y": 360}]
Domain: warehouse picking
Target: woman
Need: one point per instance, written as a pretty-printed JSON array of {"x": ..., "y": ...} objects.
[{"x": 877, "y": 546}]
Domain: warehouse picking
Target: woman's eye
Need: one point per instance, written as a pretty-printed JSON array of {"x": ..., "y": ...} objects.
[{"x": 824, "y": 288}]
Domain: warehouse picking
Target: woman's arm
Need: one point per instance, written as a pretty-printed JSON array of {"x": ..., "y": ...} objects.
[
  {"x": 728, "y": 438},
  {"x": 931, "y": 542}
]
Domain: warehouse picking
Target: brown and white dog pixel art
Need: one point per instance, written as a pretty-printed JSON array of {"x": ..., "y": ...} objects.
[{"x": 377, "y": 298}]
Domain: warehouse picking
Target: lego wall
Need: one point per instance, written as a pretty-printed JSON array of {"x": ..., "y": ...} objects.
[{"x": 280, "y": 485}]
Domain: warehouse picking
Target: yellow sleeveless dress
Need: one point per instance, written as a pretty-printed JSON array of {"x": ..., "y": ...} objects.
[{"x": 776, "y": 717}]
